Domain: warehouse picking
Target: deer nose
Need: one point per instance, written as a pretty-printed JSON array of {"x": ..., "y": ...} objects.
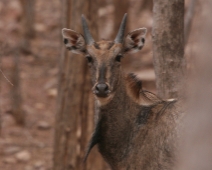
[{"x": 102, "y": 89}]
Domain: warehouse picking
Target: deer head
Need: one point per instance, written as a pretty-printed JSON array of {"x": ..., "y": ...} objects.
[{"x": 104, "y": 57}]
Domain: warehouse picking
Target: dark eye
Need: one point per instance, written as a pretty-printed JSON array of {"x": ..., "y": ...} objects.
[
  {"x": 65, "y": 41},
  {"x": 89, "y": 58},
  {"x": 118, "y": 57}
]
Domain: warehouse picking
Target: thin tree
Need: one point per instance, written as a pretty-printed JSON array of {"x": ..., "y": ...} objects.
[
  {"x": 27, "y": 20},
  {"x": 17, "y": 110},
  {"x": 0, "y": 91},
  {"x": 75, "y": 112},
  {"x": 27, "y": 32},
  {"x": 168, "y": 46}
]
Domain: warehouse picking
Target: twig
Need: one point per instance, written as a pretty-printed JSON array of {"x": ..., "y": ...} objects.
[
  {"x": 0, "y": 66},
  {"x": 6, "y": 77}
]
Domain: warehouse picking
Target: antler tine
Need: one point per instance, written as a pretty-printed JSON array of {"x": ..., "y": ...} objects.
[
  {"x": 88, "y": 37},
  {"x": 120, "y": 35}
]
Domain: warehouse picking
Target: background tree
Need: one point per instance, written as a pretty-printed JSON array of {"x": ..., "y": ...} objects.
[
  {"x": 146, "y": 5},
  {"x": 17, "y": 110},
  {"x": 26, "y": 33},
  {"x": 0, "y": 92},
  {"x": 27, "y": 20},
  {"x": 168, "y": 46},
  {"x": 75, "y": 113},
  {"x": 121, "y": 7}
]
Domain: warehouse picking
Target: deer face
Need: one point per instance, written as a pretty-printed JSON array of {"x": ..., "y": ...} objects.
[{"x": 104, "y": 57}]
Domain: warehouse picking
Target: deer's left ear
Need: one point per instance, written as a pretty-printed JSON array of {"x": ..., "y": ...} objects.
[
  {"x": 135, "y": 40},
  {"x": 74, "y": 41}
]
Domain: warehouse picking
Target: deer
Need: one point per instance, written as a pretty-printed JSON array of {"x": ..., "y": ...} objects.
[{"x": 135, "y": 128}]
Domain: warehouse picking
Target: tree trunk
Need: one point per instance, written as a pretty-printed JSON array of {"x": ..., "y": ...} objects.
[
  {"x": 0, "y": 91},
  {"x": 17, "y": 110},
  {"x": 168, "y": 46},
  {"x": 75, "y": 113},
  {"x": 27, "y": 24}
]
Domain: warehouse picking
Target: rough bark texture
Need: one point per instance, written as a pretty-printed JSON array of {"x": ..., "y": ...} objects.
[
  {"x": 75, "y": 113},
  {"x": 168, "y": 46}
]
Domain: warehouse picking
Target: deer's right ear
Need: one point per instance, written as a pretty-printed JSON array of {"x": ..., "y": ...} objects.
[
  {"x": 135, "y": 40},
  {"x": 74, "y": 41}
]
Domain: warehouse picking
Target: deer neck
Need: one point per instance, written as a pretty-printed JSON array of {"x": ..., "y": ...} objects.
[
  {"x": 116, "y": 123},
  {"x": 120, "y": 120}
]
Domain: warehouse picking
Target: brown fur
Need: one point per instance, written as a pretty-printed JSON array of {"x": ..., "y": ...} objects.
[
  {"x": 133, "y": 136},
  {"x": 134, "y": 86},
  {"x": 136, "y": 130},
  {"x": 135, "y": 91}
]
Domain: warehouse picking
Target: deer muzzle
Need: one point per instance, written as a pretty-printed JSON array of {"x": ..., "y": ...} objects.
[{"x": 101, "y": 90}]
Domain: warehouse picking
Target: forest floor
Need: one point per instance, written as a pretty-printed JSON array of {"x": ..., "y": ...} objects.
[{"x": 31, "y": 147}]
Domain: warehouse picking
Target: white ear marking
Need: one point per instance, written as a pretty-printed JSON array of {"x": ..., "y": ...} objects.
[{"x": 73, "y": 41}]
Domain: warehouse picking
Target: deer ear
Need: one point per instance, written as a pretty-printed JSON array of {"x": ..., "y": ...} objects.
[
  {"x": 74, "y": 41},
  {"x": 135, "y": 40}
]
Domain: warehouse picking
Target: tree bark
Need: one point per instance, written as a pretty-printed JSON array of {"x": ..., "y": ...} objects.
[
  {"x": 28, "y": 17},
  {"x": 0, "y": 91},
  {"x": 17, "y": 110},
  {"x": 75, "y": 112},
  {"x": 168, "y": 46}
]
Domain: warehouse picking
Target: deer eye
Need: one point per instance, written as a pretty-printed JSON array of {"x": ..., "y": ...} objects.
[
  {"x": 89, "y": 58},
  {"x": 118, "y": 57}
]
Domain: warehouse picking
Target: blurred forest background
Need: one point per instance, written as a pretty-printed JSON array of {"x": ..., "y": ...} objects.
[{"x": 31, "y": 69}]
